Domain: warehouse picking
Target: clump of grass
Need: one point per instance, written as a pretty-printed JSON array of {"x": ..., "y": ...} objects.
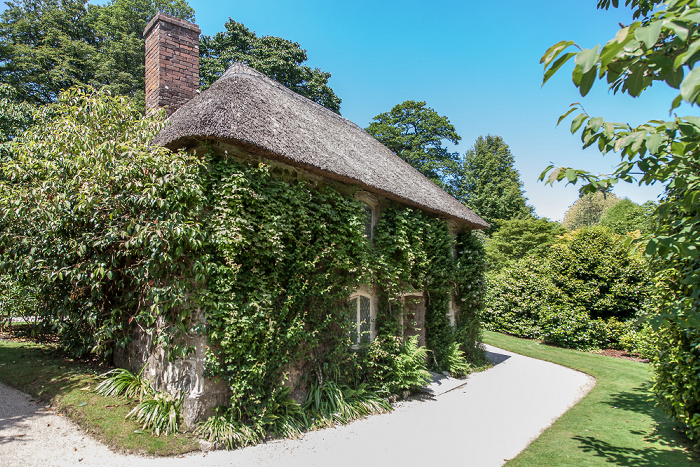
[
  {"x": 330, "y": 403},
  {"x": 121, "y": 382},
  {"x": 159, "y": 413},
  {"x": 156, "y": 411},
  {"x": 325, "y": 405},
  {"x": 224, "y": 430}
]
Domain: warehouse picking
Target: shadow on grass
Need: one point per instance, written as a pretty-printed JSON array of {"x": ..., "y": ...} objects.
[
  {"x": 630, "y": 457},
  {"x": 637, "y": 400},
  {"x": 662, "y": 431}
]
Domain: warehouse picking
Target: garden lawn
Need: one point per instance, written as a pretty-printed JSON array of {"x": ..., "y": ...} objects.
[
  {"x": 41, "y": 371},
  {"x": 616, "y": 423}
]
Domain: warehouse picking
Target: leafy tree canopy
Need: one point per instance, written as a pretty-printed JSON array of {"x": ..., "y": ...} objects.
[
  {"x": 489, "y": 184},
  {"x": 517, "y": 238},
  {"x": 589, "y": 209},
  {"x": 417, "y": 134},
  {"x": 661, "y": 47},
  {"x": 280, "y": 59},
  {"x": 50, "y": 45},
  {"x": 627, "y": 216}
]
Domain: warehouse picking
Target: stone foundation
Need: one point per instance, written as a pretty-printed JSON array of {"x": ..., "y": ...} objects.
[{"x": 181, "y": 377}]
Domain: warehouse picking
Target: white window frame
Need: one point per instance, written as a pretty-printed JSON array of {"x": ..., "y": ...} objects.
[{"x": 356, "y": 337}]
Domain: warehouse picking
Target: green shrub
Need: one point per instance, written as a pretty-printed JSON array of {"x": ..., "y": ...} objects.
[
  {"x": 640, "y": 339},
  {"x": 584, "y": 294},
  {"x": 17, "y": 300},
  {"x": 519, "y": 295},
  {"x": 572, "y": 328},
  {"x": 598, "y": 271},
  {"x": 677, "y": 367}
]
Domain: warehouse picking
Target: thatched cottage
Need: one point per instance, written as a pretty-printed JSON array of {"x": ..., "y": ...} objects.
[{"x": 252, "y": 117}]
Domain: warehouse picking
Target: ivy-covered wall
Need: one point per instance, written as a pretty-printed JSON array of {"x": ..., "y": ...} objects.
[{"x": 285, "y": 254}]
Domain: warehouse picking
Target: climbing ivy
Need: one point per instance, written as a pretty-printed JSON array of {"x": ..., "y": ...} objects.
[
  {"x": 414, "y": 251},
  {"x": 285, "y": 257},
  {"x": 114, "y": 233}
]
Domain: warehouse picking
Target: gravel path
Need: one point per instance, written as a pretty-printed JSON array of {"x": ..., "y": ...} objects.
[{"x": 483, "y": 423}]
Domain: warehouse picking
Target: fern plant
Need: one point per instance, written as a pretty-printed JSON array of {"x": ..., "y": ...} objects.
[
  {"x": 410, "y": 368},
  {"x": 455, "y": 361}
]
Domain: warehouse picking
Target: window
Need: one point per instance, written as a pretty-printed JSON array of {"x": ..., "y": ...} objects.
[
  {"x": 371, "y": 203},
  {"x": 369, "y": 218},
  {"x": 361, "y": 316}
]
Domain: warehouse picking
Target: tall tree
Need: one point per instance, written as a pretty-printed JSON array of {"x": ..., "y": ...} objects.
[
  {"x": 417, "y": 134},
  {"x": 660, "y": 48},
  {"x": 517, "y": 238},
  {"x": 280, "y": 59},
  {"x": 627, "y": 216},
  {"x": 489, "y": 184},
  {"x": 589, "y": 209},
  {"x": 46, "y": 46},
  {"x": 118, "y": 26},
  {"x": 50, "y": 45}
]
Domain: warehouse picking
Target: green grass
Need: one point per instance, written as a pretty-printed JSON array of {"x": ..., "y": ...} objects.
[
  {"x": 41, "y": 371},
  {"x": 616, "y": 423}
]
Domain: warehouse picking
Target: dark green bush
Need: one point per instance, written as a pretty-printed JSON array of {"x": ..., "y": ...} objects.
[
  {"x": 677, "y": 367},
  {"x": 599, "y": 272}
]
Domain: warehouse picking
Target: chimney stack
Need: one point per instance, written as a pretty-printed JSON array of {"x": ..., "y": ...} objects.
[{"x": 172, "y": 62}]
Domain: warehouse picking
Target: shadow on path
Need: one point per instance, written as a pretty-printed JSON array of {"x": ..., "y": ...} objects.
[{"x": 496, "y": 358}]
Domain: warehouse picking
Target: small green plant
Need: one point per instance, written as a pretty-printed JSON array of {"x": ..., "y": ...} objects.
[
  {"x": 223, "y": 429},
  {"x": 330, "y": 403},
  {"x": 411, "y": 367},
  {"x": 282, "y": 415},
  {"x": 159, "y": 413},
  {"x": 121, "y": 382},
  {"x": 455, "y": 362}
]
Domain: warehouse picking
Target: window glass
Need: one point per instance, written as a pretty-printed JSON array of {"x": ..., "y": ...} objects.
[
  {"x": 353, "y": 320},
  {"x": 365, "y": 319},
  {"x": 368, "y": 222}
]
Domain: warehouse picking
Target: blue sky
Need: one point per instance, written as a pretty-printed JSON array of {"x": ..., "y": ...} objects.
[{"x": 475, "y": 62}]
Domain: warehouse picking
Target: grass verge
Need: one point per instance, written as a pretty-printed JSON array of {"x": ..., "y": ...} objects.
[
  {"x": 616, "y": 423},
  {"x": 41, "y": 371}
]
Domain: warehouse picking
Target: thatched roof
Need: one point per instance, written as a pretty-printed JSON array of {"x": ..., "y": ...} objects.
[{"x": 250, "y": 110}]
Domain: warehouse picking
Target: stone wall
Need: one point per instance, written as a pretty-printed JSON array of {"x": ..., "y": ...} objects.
[{"x": 182, "y": 377}]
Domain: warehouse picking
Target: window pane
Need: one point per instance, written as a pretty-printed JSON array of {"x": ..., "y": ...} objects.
[
  {"x": 365, "y": 317},
  {"x": 368, "y": 222},
  {"x": 353, "y": 319}
]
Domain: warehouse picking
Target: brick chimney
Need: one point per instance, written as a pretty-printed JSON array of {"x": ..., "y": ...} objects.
[{"x": 172, "y": 62}]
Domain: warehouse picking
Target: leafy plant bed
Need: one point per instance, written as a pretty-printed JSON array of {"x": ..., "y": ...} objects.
[
  {"x": 622, "y": 354},
  {"x": 616, "y": 423},
  {"x": 67, "y": 384}
]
